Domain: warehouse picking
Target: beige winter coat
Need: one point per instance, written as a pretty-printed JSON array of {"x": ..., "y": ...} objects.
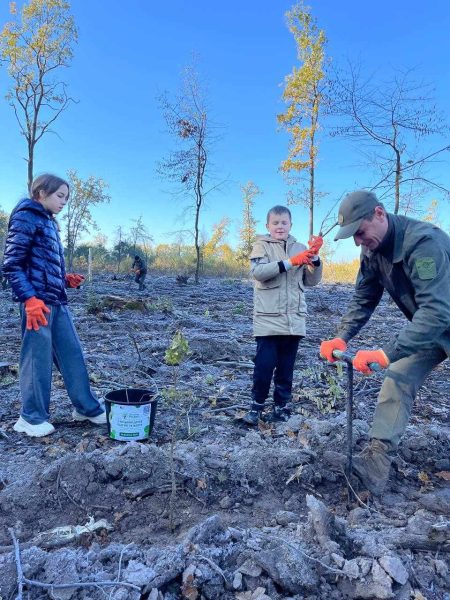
[{"x": 279, "y": 298}]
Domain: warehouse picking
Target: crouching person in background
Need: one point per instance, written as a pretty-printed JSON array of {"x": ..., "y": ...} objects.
[
  {"x": 34, "y": 266},
  {"x": 281, "y": 268},
  {"x": 139, "y": 267}
]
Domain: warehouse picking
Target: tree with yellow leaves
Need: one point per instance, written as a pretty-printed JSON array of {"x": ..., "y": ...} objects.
[
  {"x": 34, "y": 46},
  {"x": 247, "y": 232},
  {"x": 303, "y": 93},
  {"x": 220, "y": 232},
  {"x": 84, "y": 194}
]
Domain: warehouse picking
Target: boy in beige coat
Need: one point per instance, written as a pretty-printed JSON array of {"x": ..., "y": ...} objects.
[{"x": 281, "y": 268}]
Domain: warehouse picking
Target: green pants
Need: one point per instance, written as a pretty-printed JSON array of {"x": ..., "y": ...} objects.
[{"x": 400, "y": 386}]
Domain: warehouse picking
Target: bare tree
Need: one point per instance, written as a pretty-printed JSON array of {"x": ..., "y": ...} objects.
[
  {"x": 139, "y": 236},
  {"x": 84, "y": 194},
  {"x": 390, "y": 118},
  {"x": 121, "y": 247},
  {"x": 35, "y": 47},
  {"x": 188, "y": 166}
]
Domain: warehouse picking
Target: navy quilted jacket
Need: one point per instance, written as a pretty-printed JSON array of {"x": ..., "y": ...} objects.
[{"x": 34, "y": 260}]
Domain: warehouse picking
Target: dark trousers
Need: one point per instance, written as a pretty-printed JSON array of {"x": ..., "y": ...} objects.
[
  {"x": 275, "y": 356},
  {"x": 140, "y": 278}
]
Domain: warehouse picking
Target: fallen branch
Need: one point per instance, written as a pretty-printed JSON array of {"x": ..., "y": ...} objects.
[
  {"x": 202, "y": 502},
  {"x": 22, "y": 580},
  {"x": 62, "y": 485},
  {"x": 358, "y": 499},
  {"x": 366, "y": 392},
  {"x": 4, "y": 435},
  {"x": 297, "y": 549},
  {"x": 136, "y": 346},
  {"x": 225, "y": 408},
  {"x": 412, "y": 541},
  {"x": 119, "y": 571},
  {"x": 235, "y": 363},
  {"x": 212, "y": 564}
]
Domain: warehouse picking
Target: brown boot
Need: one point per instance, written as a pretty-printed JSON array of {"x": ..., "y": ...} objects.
[{"x": 372, "y": 466}]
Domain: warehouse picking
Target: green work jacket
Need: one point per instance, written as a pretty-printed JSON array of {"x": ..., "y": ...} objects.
[{"x": 418, "y": 280}]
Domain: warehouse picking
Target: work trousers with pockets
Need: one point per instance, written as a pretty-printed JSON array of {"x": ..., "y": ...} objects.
[
  {"x": 56, "y": 342},
  {"x": 275, "y": 356},
  {"x": 403, "y": 379}
]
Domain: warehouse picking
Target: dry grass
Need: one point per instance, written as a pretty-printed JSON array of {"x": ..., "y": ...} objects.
[
  {"x": 341, "y": 272},
  {"x": 334, "y": 272}
]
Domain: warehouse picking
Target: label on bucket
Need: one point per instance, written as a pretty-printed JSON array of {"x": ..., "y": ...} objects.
[{"x": 129, "y": 422}]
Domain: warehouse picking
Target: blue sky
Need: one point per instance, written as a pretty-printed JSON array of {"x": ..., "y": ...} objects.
[{"x": 129, "y": 53}]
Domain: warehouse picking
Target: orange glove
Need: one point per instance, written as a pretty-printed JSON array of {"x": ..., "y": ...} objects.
[
  {"x": 302, "y": 258},
  {"x": 364, "y": 357},
  {"x": 315, "y": 243},
  {"x": 74, "y": 280},
  {"x": 35, "y": 309},
  {"x": 327, "y": 347}
]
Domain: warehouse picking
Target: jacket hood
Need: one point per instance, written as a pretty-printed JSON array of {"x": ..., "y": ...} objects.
[
  {"x": 28, "y": 204},
  {"x": 267, "y": 238}
]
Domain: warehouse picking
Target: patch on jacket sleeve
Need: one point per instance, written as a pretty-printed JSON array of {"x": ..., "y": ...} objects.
[{"x": 426, "y": 267}]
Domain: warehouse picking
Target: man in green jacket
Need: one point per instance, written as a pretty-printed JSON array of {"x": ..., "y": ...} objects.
[{"x": 410, "y": 260}]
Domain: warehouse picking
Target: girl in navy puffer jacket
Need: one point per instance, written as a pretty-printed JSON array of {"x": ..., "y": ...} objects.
[{"x": 34, "y": 265}]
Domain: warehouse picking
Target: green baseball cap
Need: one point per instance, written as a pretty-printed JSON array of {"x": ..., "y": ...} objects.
[{"x": 354, "y": 207}]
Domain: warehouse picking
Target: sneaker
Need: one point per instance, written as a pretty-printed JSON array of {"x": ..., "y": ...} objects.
[
  {"x": 253, "y": 416},
  {"x": 372, "y": 466},
  {"x": 98, "y": 420},
  {"x": 280, "y": 414},
  {"x": 40, "y": 430}
]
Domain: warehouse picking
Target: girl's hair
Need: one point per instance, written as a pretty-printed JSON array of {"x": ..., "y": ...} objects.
[
  {"x": 279, "y": 210},
  {"x": 48, "y": 183}
]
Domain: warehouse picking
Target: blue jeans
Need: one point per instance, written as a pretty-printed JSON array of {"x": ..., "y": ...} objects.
[
  {"x": 57, "y": 342},
  {"x": 275, "y": 355}
]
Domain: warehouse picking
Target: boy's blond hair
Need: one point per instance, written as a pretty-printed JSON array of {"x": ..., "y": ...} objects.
[{"x": 279, "y": 210}]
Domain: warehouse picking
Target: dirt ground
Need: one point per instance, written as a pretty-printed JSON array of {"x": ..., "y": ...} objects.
[{"x": 256, "y": 514}]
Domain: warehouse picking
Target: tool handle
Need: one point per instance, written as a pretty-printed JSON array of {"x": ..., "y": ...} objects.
[{"x": 348, "y": 358}]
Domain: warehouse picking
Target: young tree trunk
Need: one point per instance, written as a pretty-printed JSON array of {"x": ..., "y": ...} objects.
[
  {"x": 197, "y": 245},
  {"x": 311, "y": 183},
  {"x": 398, "y": 178},
  {"x": 30, "y": 165}
]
